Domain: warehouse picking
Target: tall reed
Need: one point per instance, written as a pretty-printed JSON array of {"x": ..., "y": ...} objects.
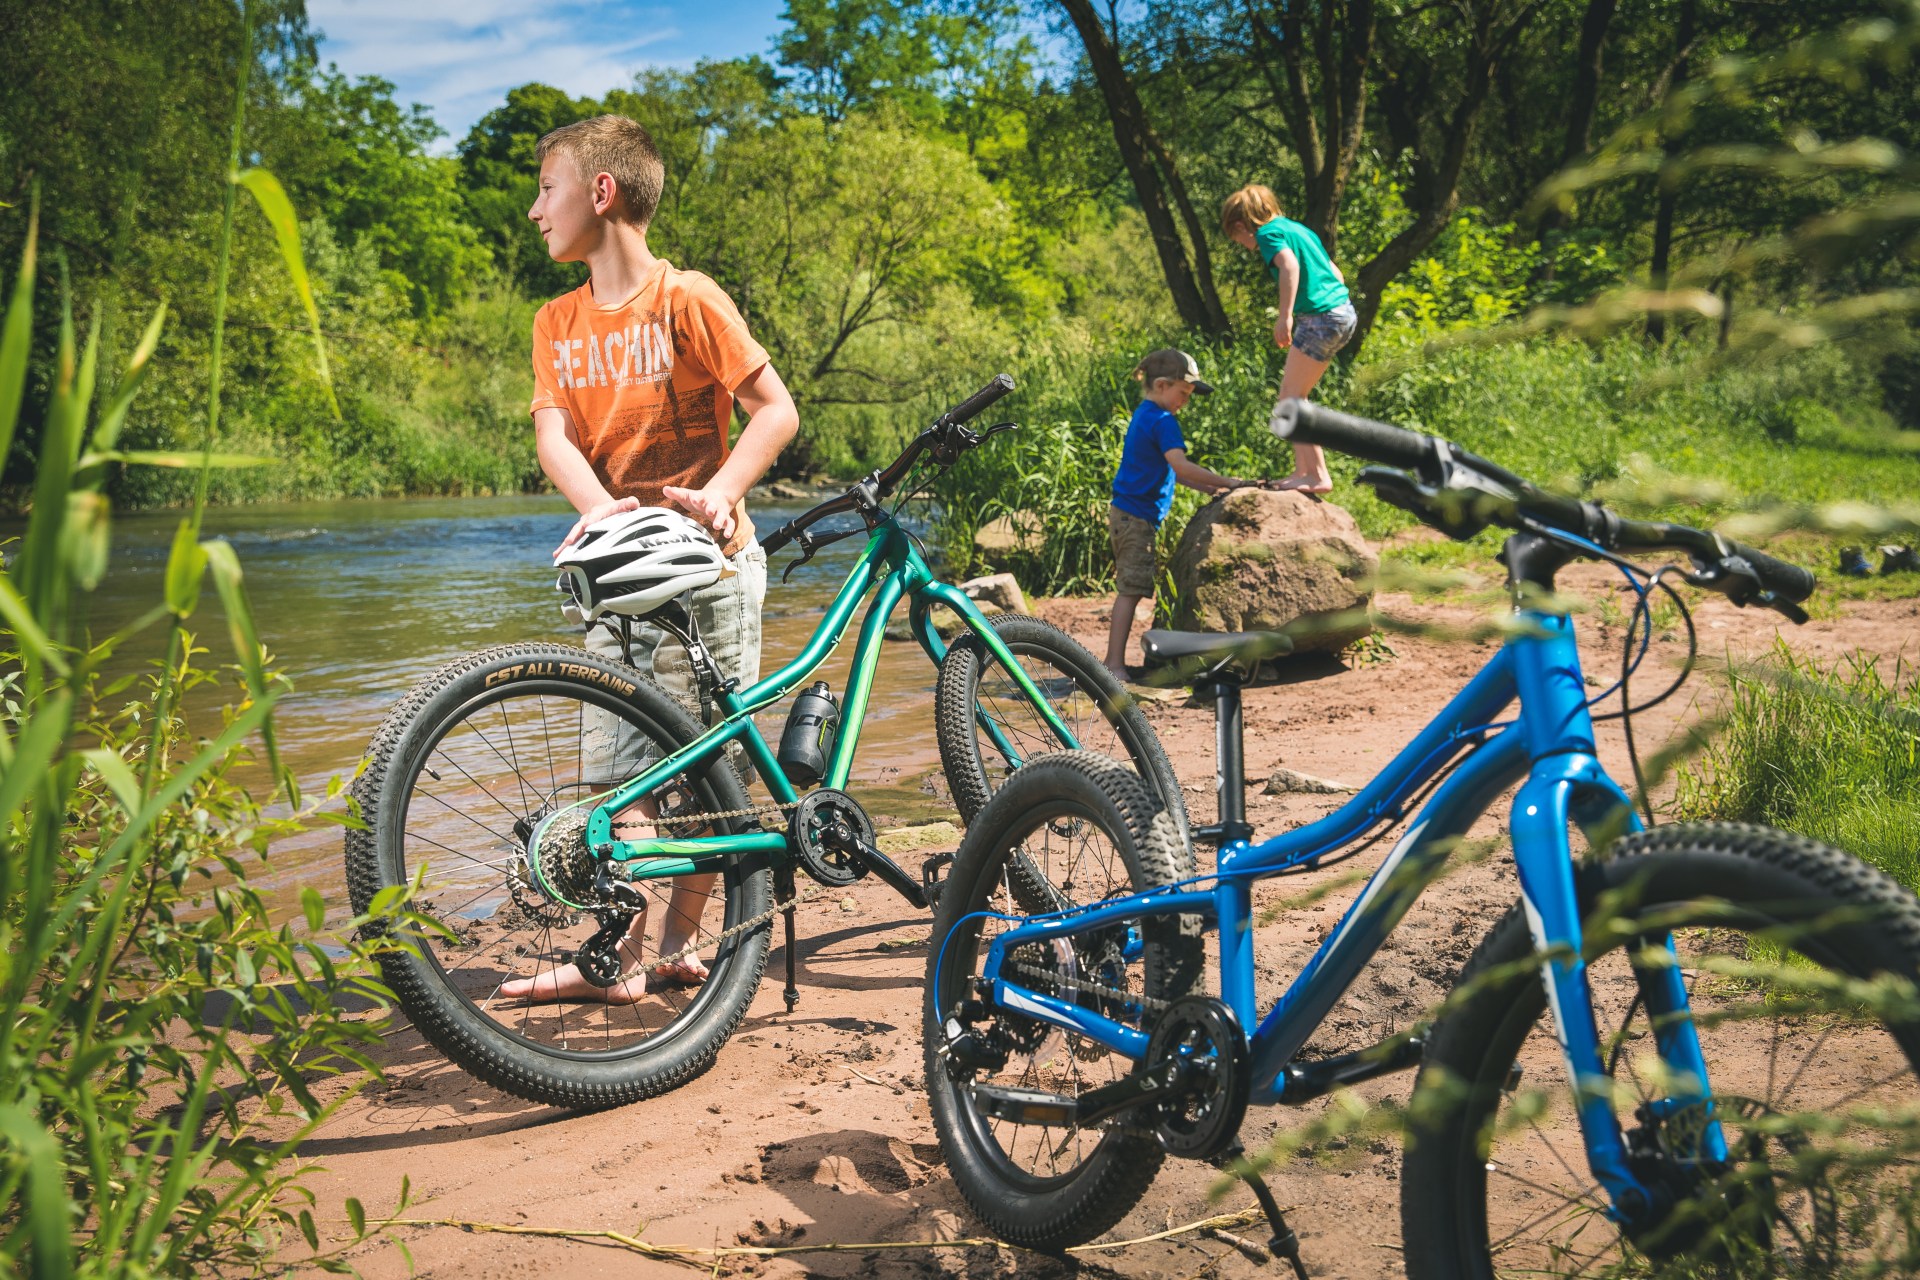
[{"x": 160, "y": 1033}]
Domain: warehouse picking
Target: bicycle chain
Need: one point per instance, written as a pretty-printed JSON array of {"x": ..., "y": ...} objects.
[
  {"x": 1126, "y": 1123},
  {"x": 685, "y": 819},
  {"x": 1152, "y": 1004}
]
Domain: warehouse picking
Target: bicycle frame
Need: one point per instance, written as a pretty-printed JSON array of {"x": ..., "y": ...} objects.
[
  {"x": 1549, "y": 745},
  {"x": 892, "y": 568}
]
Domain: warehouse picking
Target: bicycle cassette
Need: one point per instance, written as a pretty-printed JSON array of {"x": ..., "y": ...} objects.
[
  {"x": 827, "y": 827},
  {"x": 1203, "y": 1118},
  {"x": 560, "y": 867}
]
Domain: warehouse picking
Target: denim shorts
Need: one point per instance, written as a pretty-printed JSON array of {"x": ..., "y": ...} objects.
[
  {"x": 728, "y": 615},
  {"x": 1319, "y": 337}
]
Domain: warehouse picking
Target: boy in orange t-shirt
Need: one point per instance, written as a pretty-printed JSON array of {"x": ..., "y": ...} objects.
[{"x": 636, "y": 375}]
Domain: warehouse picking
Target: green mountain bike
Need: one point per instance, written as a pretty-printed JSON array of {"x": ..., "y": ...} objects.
[{"x": 485, "y": 788}]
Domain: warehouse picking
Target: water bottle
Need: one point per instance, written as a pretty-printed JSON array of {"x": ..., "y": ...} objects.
[{"x": 807, "y": 740}]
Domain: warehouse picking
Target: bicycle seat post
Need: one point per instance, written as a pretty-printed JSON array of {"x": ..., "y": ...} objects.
[{"x": 1223, "y": 682}]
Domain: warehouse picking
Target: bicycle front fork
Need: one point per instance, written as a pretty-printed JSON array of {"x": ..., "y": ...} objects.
[{"x": 1574, "y": 788}]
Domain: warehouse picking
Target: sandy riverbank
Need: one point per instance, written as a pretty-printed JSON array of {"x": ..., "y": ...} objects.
[{"x": 812, "y": 1127}]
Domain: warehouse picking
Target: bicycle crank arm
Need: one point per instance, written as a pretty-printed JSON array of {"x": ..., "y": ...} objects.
[
  {"x": 878, "y": 863},
  {"x": 1031, "y": 1106},
  {"x": 1309, "y": 1080}
]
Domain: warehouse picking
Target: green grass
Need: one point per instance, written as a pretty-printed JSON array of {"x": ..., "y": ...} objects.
[{"x": 1830, "y": 751}]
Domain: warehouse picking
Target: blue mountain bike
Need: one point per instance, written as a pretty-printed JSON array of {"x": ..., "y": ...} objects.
[{"x": 1732, "y": 1007}]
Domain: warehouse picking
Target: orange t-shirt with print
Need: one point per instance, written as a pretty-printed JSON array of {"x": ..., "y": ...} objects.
[{"x": 648, "y": 381}]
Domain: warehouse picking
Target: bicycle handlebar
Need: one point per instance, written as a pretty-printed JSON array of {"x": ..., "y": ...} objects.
[
  {"x": 970, "y": 408},
  {"x": 947, "y": 437},
  {"x": 1743, "y": 572}
]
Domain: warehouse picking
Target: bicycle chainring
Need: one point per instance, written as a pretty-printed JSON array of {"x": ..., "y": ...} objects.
[
  {"x": 823, "y": 823},
  {"x": 1201, "y": 1034}
]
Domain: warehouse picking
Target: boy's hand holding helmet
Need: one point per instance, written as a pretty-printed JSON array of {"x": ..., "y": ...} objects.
[
  {"x": 634, "y": 561},
  {"x": 592, "y": 516}
]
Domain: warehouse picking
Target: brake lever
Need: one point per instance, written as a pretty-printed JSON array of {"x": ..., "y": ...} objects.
[
  {"x": 1734, "y": 578},
  {"x": 808, "y": 545}
]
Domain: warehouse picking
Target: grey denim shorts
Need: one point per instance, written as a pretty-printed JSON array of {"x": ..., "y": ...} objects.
[{"x": 1319, "y": 337}]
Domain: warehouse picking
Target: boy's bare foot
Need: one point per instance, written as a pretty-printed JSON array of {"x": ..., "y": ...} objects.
[
  {"x": 688, "y": 972},
  {"x": 1118, "y": 673},
  {"x": 567, "y": 983},
  {"x": 1306, "y": 483}
]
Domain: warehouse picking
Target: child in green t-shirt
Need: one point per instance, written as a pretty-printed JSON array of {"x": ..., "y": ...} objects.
[{"x": 1315, "y": 316}]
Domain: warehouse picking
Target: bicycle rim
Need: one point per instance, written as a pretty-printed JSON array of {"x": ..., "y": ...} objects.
[{"x": 495, "y": 767}]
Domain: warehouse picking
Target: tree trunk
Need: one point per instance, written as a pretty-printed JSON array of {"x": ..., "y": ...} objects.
[
  {"x": 1435, "y": 190},
  {"x": 1326, "y": 136},
  {"x": 1663, "y": 210},
  {"x": 1134, "y": 136},
  {"x": 1587, "y": 66}
]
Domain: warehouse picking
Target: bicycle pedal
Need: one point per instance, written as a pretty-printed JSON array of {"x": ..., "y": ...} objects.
[{"x": 932, "y": 882}]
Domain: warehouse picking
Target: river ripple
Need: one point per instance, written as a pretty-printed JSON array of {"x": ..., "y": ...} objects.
[{"x": 358, "y": 601}]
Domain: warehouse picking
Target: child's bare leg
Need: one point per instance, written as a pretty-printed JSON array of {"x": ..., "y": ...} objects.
[
  {"x": 690, "y": 897},
  {"x": 1310, "y": 472},
  {"x": 566, "y": 982},
  {"x": 1117, "y": 633}
]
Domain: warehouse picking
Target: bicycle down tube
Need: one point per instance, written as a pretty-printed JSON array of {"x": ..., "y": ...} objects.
[
  {"x": 906, "y": 573},
  {"x": 1549, "y": 749}
]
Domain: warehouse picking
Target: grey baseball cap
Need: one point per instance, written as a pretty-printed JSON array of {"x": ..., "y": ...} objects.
[{"x": 1175, "y": 366}]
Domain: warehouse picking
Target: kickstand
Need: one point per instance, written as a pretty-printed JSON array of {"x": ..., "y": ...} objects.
[
  {"x": 1285, "y": 1244},
  {"x": 784, "y": 887}
]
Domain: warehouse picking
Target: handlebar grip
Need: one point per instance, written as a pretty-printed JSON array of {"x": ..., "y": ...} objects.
[
  {"x": 1779, "y": 577},
  {"x": 1380, "y": 442},
  {"x": 1001, "y": 385}
]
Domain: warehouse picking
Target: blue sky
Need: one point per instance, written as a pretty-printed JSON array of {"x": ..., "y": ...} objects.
[{"x": 459, "y": 57}]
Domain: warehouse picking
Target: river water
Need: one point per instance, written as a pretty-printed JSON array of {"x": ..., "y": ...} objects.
[{"x": 358, "y": 601}]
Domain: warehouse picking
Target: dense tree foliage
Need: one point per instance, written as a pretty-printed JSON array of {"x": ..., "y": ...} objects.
[{"x": 902, "y": 191}]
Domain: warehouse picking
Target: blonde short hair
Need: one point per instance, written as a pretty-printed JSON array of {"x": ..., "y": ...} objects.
[
  {"x": 1251, "y": 206},
  {"x": 620, "y": 148}
]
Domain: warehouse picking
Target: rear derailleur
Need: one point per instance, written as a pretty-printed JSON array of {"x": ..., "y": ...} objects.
[
  {"x": 1189, "y": 1092},
  {"x": 598, "y": 958}
]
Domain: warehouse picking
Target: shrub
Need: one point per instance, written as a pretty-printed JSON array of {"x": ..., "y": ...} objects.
[{"x": 1832, "y": 752}]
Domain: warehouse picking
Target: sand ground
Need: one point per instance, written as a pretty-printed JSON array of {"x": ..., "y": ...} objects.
[{"x": 812, "y": 1126}]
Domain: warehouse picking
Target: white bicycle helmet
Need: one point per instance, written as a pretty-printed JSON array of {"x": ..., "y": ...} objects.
[{"x": 633, "y": 562}]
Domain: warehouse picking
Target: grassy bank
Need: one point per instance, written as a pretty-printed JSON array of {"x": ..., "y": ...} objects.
[{"x": 1830, "y": 751}]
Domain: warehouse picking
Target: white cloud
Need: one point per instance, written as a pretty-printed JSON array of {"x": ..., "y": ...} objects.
[{"x": 459, "y": 57}]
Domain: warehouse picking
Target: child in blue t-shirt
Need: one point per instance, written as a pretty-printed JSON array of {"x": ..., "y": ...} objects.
[{"x": 1153, "y": 458}]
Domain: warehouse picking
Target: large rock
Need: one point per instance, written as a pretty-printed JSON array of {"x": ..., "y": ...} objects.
[
  {"x": 997, "y": 591},
  {"x": 1006, "y": 535},
  {"x": 1256, "y": 560}
]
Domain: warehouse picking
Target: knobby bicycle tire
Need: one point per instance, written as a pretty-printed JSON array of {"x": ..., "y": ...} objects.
[
  {"x": 644, "y": 1062},
  {"x": 1076, "y": 796},
  {"x": 1476, "y": 1181}
]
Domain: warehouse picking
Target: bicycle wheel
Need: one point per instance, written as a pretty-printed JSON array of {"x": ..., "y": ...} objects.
[
  {"x": 987, "y": 727},
  {"x": 1089, "y": 825},
  {"x": 460, "y": 774},
  {"x": 1812, "y": 1084}
]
